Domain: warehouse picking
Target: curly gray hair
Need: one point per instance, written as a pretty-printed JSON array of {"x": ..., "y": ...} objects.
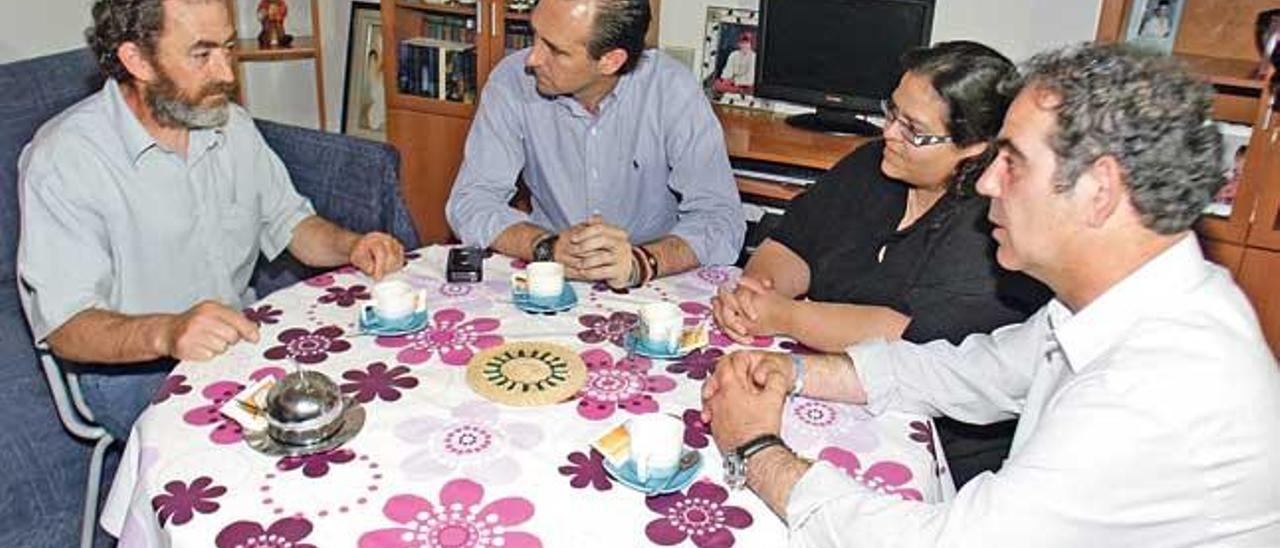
[
  {"x": 1144, "y": 110},
  {"x": 118, "y": 21}
]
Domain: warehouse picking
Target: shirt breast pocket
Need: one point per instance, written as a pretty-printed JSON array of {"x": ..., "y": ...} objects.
[{"x": 240, "y": 226}]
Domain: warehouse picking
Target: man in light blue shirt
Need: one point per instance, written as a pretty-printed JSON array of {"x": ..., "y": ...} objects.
[
  {"x": 624, "y": 159},
  {"x": 146, "y": 205}
]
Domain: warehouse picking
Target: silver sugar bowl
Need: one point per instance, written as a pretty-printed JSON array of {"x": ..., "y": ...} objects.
[{"x": 304, "y": 408}]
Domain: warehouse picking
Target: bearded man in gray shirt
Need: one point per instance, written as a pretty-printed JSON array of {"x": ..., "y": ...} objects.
[{"x": 145, "y": 206}]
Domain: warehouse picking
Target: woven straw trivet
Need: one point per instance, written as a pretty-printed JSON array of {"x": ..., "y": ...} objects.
[{"x": 527, "y": 373}]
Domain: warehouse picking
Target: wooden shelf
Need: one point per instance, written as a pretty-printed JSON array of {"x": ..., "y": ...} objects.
[
  {"x": 303, "y": 47},
  {"x": 518, "y": 16},
  {"x": 769, "y": 189},
  {"x": 1223, "y": 71},
  {"x": 454, "y": 8},
  {"x": 762, "y": 135}
]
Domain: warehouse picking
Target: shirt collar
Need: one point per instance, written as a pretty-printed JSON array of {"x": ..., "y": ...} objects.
[
  {"x": 619, "y": 91},
  {"x": 137, "y": 140},
  {"x": 1104, "y": 323}
]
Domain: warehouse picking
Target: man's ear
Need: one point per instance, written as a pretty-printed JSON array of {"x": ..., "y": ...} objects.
[
  {"x": 612, "y": 61},
  {"x": 1104, "y": 181},
  {"x": 133, "y": 59}
]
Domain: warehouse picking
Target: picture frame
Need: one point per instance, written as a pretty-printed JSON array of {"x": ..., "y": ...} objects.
[
  {"x": 1235, "y": 147},
  {"x": 1153, "y": 24},
  {"x": 729, "y": 56},
  {"x": 364, "y": 97}
]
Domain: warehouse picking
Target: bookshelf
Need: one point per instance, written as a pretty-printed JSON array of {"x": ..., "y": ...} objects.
[
  {"x": 302, "y": 47},
  {"x": 428, "y": 123}
]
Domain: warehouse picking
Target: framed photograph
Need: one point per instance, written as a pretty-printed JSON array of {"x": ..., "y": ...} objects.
[
  {"x": 1235, "y": 147},
  {"x": 1153, "y": 24},
  {"x": 364, "y": 98},
  {"x": 729, "y": 56}
]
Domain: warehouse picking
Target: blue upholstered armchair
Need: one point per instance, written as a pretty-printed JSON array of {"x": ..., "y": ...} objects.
[{"x": 43, "y": 469}]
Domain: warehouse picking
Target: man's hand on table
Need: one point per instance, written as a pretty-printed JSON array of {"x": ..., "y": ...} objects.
[
  {"x": 377, "y": 254},
  {"x": 744, "y": 397},
  {"x": 595, "y": 250},
  {"x": 205, "y": 331}
]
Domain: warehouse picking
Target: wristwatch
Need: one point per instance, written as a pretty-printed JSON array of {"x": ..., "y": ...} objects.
[
  {"x": 545, "y": 249},
  {"x": 735, "y": 462}
]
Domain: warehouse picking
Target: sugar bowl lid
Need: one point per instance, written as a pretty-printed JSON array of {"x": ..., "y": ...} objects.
[{"x": 304, "y": 400}]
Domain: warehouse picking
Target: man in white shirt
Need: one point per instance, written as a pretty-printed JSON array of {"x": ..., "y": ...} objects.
[{"x": 1149, "y": 402}]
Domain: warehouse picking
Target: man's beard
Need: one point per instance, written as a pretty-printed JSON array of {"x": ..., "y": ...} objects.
[{"x": 170, "y": 108}]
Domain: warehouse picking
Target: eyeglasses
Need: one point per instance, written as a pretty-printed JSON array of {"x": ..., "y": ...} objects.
[{"x": 890, "y": 111}]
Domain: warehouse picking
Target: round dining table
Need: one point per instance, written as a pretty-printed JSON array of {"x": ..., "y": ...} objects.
[{"x": 435, "y": 464}]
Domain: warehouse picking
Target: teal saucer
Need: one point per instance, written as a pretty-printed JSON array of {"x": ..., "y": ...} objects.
[
  {"x": 649, "y": 350},
  {"x": 567, "y": 299},
  {"x": 373, "y": 324},
  {"x": 683, "y": 477}
]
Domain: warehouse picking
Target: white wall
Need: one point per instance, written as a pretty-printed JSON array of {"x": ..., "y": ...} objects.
[
  {"x": 1017, "y": 28},
  {"x": 30, "y": 28}
]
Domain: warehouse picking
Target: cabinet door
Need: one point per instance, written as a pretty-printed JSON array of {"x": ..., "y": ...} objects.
[
  {"x": 1265, "y": 230},
  {"x": 430, "y": 148},
  {"x": 1258, "y": 278}
]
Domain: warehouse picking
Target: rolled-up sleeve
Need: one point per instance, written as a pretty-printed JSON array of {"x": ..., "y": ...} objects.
[
  {"x": 478, "y": 209},
  {"x": 64, "y": 259},
  {"x": 710, "y": 217},
  {"x": 282, "y": 206}
]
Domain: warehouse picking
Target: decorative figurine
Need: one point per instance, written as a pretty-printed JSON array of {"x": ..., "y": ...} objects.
[{"x": 271, "y": 14}]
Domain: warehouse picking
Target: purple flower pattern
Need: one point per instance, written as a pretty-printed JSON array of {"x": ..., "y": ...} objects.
[
  {"x": 306, "y": 346},
  {"x": 378, "y": 381},
  {"x": 316, "y": 465},
  {"x": 625, "y": 383},
  {"x": 699, "y": 364},
  {"x": 473, "y": 443},
  {"x": 225, "y": 431},
  {"x": 458, "y": 520},
  {"x": 345, "y": 297},
  {"x": 700, "y": 516},
  {"x": 454, "y": 339},
  {"x": 587, "y": 469},
  {"x": 700, "y": 312},
  {"x": 613, "y": 328},
  {"x": 810, "y": 424},
  {"x": 264, "y": 314},
  {"x": 173, "y": 385},
  {"x": 284, "y": 533},
  {"x": 696, "y": 432},
  {"x": 180, "y": 501}
]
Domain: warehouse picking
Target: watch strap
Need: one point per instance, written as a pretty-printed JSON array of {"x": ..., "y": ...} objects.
[
  {"x": 758, "y": 444},
  {"x": 545, "y": 248}
]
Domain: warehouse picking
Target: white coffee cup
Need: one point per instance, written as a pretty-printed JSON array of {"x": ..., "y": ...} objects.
[
  {"x": 657, "y": 440},
  {"x": 543, "y": 279},
  {"x": 661, "y": 325},
  {"x": 394, "y": 299}
]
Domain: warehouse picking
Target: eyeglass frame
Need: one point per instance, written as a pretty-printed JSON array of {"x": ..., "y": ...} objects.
[{"x": 916, "y": 139}]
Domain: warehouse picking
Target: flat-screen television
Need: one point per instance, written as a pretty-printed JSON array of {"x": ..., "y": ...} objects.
[{"x": 841, "y": 56}]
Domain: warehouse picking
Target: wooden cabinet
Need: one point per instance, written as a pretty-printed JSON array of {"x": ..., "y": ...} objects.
[
  {"x": 1215, "y": 39},
  {"x": 440, "y": 56}
]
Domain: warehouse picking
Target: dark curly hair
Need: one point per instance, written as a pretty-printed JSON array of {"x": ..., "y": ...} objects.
[
  {"x": 118, "y": 21},
  {"x": 969, "y": 77},
  {"x": 1142, "y": 109},
  {"x": 620, "y": 24}
]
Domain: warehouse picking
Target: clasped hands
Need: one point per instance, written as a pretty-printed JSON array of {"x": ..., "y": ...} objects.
[
  {"x": 595, "y": 250},
  {"x": 743, "y": 399},
  {"x": 751, "y": 308}
]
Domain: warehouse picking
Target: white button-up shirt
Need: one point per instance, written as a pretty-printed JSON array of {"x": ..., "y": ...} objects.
[{"x": 1149, "y": 418}]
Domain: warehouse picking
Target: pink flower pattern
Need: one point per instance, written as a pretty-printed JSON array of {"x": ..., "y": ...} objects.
[
  {"x": 700, "y": 516},
  {"x": 458, "y": 520},
  {"x": 886, "y": 477},
  {"x": 226, "y": 431},
  {"x": 626, "y": 384},
  {"x": 809, "y": 424},
  {"x": 472, "y": 443},
  {"x": 449, "y": 336}
]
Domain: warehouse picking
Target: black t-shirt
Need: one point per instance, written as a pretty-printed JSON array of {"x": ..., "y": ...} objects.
[{"x": 941, "y": 271}]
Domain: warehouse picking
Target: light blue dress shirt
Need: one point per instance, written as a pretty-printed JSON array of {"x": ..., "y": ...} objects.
[
  {"x": 652, "y": 162},
  {"x": 113, "y": 220}
]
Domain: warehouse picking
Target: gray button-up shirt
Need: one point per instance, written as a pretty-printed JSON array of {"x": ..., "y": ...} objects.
[
  {"x": 652, "y": 162},
  {"x": 112, "y": 220}
]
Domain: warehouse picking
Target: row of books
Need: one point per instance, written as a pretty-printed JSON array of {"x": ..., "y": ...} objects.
[
  {"x": 518, "y": 35},
  {"x": 437, "y": 69},
  {"x": 452, "y": 28}
]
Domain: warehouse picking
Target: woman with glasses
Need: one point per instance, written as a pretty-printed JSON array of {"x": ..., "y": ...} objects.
[{"x": 893, "y": 242}]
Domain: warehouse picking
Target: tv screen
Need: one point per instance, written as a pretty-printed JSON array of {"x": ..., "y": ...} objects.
[{"x": 842, "y": 54}]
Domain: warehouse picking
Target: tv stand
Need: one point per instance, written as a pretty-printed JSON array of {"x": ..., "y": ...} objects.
[{"x": 834, "y": 121}]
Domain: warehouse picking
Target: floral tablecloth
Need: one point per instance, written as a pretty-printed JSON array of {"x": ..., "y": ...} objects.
[{"x": 436, "y": 465}]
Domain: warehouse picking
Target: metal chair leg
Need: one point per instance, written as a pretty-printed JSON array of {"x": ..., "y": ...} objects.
[
  {"x": 89, "y": 519},
  {"x": 77, "y": 419}
]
